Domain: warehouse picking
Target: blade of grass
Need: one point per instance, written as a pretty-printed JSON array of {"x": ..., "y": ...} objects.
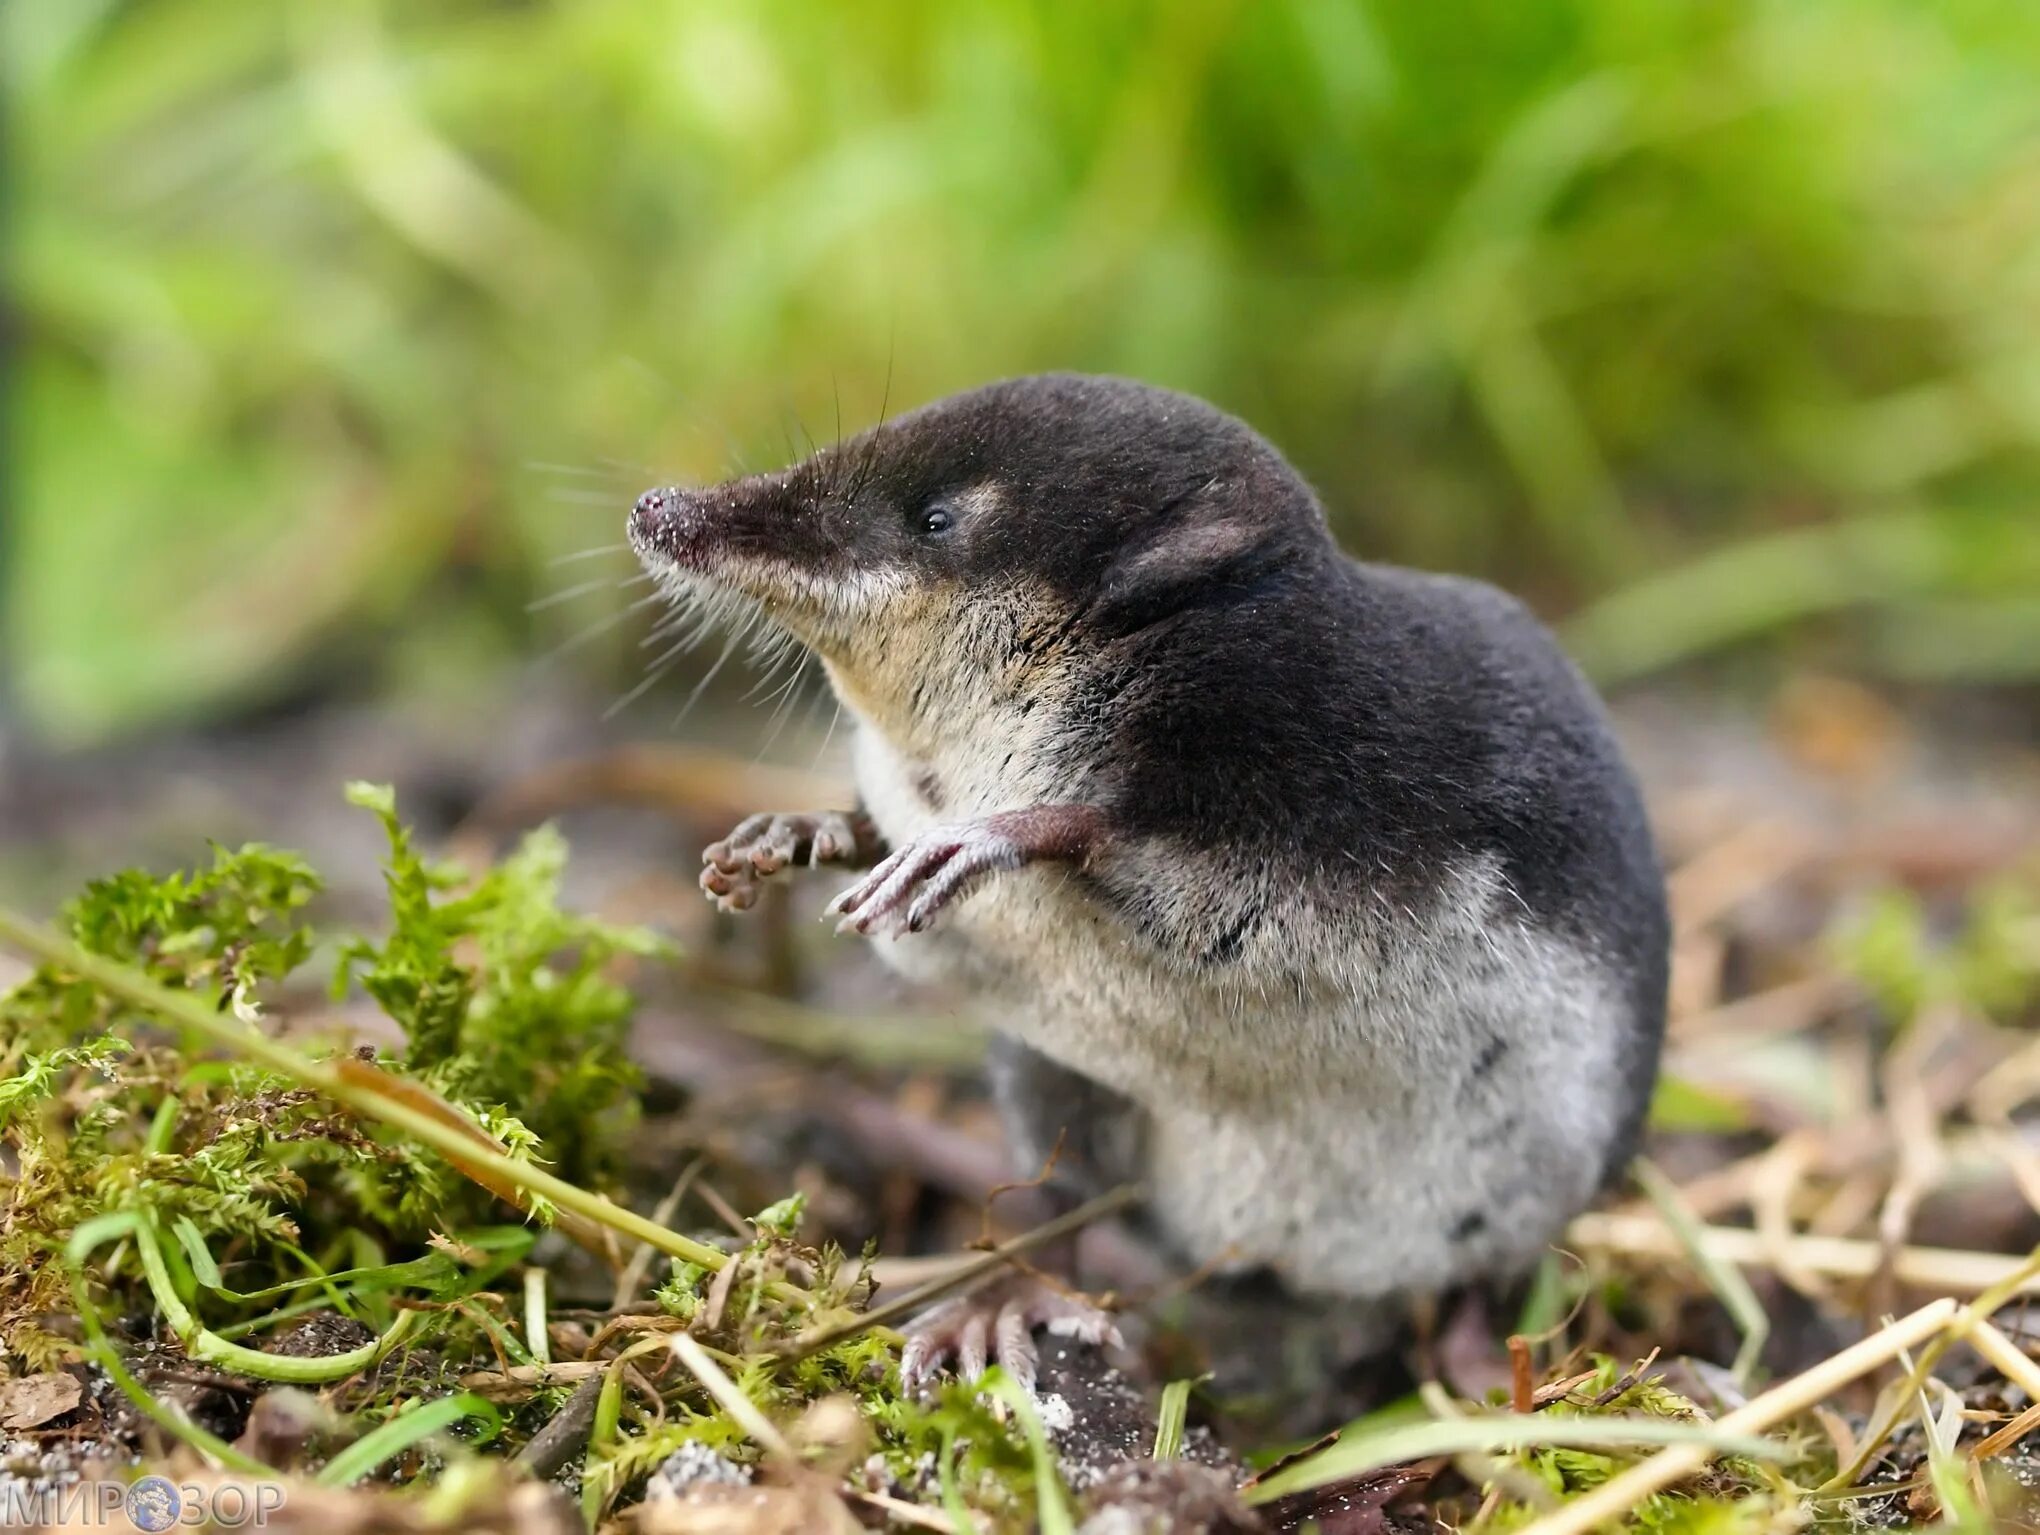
[
  {"x": 388, "y": 1440},
  {"x": 1749, "y": 588},
  {"x": 742, "y": 1410},
  {"x": 1723, "y": 1278},
  {"x": 139, "y": 1227},
  {"x": 506, "y": 1245},
  {"x": 596, "y": 1472},
  {"x": 952, "y": 1495},
  {"x": 1355, "y": 1456},
  {"x": 208, "y": 1346},
  {"x": 102, "y": 1352},
  {"x": 1051, "y": 1505},
  {"x": 1170, "y": 1420},
  {"x": 1889, "y": 1408},
  {"x": 1942, "y": 1270}
]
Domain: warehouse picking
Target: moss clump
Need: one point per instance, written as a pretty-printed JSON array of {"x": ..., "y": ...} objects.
[
  {"x": 500, "y": 999},
  {"x": 1734, "y": 1494}
]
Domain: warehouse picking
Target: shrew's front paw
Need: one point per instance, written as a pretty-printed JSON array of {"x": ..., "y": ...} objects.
[
  {"x": 903, "y": 894},
  {"x": 762, "y": 845}
]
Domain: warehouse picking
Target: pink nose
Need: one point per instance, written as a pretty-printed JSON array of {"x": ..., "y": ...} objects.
[{"x": 653, "y": 514}]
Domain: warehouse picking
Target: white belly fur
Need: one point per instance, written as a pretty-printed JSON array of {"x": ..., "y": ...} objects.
[{"x": 1321, "y": 1116}]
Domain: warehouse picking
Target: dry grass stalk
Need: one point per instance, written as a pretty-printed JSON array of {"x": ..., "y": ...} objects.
[{"x": 1942, "y": 1270}]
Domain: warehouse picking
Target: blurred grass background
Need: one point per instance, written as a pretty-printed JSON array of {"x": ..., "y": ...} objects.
[{"x": 335, "y": 325}]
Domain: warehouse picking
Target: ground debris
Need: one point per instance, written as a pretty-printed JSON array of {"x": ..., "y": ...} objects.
[
  {"x": 31, "y": 1401},
  {"x": 1102, "y": 1420},
  {"x": 1167, "y": 1497},
  {"x": 693, "y": 1464}
]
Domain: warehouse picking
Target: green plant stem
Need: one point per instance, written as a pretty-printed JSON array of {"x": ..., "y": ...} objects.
[
  {"x": 208, "y": 1346},
  {"x": 107, "y": 1357},
  {"x": 226, "y": 1031},
  {"x": 1494, "y": 1435}
]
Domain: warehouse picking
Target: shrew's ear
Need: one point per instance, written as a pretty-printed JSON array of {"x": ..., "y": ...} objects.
[{"x": 1205, "y": 541}]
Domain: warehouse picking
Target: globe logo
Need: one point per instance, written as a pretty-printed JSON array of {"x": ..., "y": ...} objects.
[{"x": 153, "y": 1504}]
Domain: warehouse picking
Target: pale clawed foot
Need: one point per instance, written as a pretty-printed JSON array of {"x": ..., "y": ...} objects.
[
  {"x": 762, "y": 845},
  {"x": 996, "y": 1325},
  {"x": 903, "y": 894}
]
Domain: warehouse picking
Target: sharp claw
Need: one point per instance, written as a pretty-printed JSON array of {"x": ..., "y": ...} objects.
[
  {"x": 1014, "y": 1346},
  {"x": 916, "y": 1360},
  {"x": 972, "y": 1348},
  {"x": 1094, "y": 1328}
]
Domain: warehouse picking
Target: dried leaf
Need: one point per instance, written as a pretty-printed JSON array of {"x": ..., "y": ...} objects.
[{"x": 34, "y": 1400}]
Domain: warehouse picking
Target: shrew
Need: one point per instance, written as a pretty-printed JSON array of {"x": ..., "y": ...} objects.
[{"x": 1314, "y": 894}]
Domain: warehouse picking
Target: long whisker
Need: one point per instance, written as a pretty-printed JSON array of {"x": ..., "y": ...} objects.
[
  {"x": 701, "y": 687},
  {"x": 835, "y": 719},
  {"x": 598, "y": 552},
  {"x": 784, "y": 711},
  {"x": 607, "y": 470},
  {"x": 583, "y": 588},
  {"x": 577, "y": 495},
  {"x": 644, "y": 685},
  {"x": 601, "y": 626}
]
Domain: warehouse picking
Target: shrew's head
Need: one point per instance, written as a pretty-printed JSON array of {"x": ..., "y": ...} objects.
[{"x": 973, "y": 546}]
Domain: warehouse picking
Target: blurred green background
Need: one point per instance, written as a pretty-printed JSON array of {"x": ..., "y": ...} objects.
[{"x": 336, "y": 326}]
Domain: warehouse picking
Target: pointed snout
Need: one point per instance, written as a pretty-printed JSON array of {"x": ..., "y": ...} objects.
[
  {"x": 762, "y": 535},
  {"x": 658, "y": 520}
]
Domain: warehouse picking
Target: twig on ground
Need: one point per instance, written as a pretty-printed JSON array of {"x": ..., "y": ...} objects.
[
  {"x": 564, "y": 1433},
  {"x": 1628, "y": 1380},
  {"x": 1522, "y": 1390}
]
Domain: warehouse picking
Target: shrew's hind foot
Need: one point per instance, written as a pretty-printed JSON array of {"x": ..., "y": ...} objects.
[
  {"x": 762, "y": 845},
  {"x": 995, "y": 1325}
]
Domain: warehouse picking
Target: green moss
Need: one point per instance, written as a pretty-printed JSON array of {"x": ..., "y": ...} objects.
[
  {"x": 1733, "y": 1495},
  {"x": 502, "y": 1001}
]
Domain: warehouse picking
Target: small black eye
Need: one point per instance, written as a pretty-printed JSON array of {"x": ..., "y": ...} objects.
[{"x": 936, "y": 519}]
